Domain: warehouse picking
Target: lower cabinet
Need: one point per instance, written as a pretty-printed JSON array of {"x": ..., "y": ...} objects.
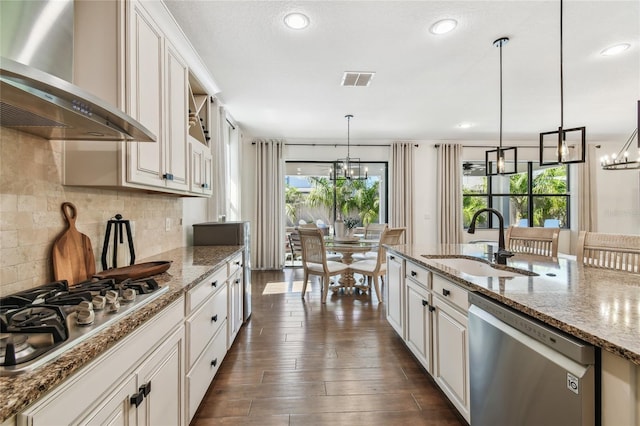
[
  {"x": 138, "y": 382},
  {"x": 451, "y": 354},
  {"x": 394, "y": 293},
  {"x": 430, "y": 313},
  {"x": 418, "y": 327}
]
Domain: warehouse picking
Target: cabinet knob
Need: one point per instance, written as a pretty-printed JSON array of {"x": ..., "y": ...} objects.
[
  {"x": 424, "y": 302},
  {"x": 214, "y": 318},
  {"x": 392, "y": 257},
  {"x": 214, "y": 284},
  {"x": 168, "y": 176},
  {"x": 414, "y": 274},
  {"x": 214, "y": 362},
  {"x": 446, "y": 292},
  {"x": 238, "y": 281},
  {"x": 145, "y": 389},
  {"x": 432, "y": 308}
]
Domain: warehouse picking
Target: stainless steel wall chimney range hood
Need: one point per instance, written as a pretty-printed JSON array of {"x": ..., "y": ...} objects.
[{"x": 36, "y": 42}]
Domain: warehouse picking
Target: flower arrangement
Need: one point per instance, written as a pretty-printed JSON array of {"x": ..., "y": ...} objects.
[{"x": 351, "y": 222}]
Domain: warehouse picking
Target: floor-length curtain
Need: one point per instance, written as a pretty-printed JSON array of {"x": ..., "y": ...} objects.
[
  {"x": 449, "y": 194},
  {"x": 586, "y": 207},
  {"x": 269, "y": 232},
  {"x": 402, "y": 188}
]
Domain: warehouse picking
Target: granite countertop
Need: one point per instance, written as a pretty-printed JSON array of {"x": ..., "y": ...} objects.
[
  {"x": 599, "y": 306},
  {"x": 190, "y": 266}
]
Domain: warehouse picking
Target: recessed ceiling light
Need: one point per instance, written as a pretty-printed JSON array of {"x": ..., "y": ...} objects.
[
  {"x": 296, "y": 21},
  {"x": 615, "y": 49},
  {"x": 443, "y": 26},
  {"x": 465, "y": 125}
]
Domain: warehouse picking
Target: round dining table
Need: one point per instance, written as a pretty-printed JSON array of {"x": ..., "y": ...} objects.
[{"x": 347, "y": 247}]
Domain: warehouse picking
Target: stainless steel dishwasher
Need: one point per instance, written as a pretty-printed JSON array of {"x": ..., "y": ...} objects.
[{"x": 525, "y": 373}]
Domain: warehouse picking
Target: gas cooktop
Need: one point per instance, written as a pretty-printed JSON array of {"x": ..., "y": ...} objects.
[{"x": 39, "y": 324}]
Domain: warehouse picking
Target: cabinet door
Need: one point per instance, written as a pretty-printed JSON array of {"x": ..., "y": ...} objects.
[
  {"x": 395, "y": 282},
  {"x": 207, "y": 172},
  {"x": 162, "y": 374},
  {"x": 418, "y": 325},
  {"x": 451, "y": 356},
  {"x": 201, "y": 168},
  {"x": 145, "y": 103},
  {"x": 176, "y": 156},
  {"x": 117, "y": 408},
  {"x": 235, "y": 307}
]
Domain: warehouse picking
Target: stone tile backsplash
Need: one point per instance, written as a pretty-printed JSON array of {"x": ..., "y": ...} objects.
[{"x": 31, "y": 195}]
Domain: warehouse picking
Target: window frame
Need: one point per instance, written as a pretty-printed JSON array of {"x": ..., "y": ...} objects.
[{"x": 490, "y": 195}]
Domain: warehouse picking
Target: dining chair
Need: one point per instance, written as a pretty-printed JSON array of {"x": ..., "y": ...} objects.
[
  {"x": 377, "y": 268},
  {"x": 611, "y": 251},
  {"x": 295, "y": 246},
  {"x": 372, "y": 231},
  {"x": 314, "y": 260},
  {"x": 540, "y": 241}
]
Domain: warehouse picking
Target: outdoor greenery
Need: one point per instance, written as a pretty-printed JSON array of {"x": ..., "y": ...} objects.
[
  {"x": 357, "y": 198},
  {"x": 549, "y": 192}
]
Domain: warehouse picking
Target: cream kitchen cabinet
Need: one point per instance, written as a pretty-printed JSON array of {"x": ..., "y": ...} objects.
[
  {"x": 201, "y": 168},
  {"x": 235, "y": 299},
  {"x": 122, "y": 55},
  {"x": 206, "y": 335},
  {"x": 394, "y": 293},
  {"x": 139, "y": 381},
  {"x": 419, "y": 306},
  {"x": 451, "y": 342}
]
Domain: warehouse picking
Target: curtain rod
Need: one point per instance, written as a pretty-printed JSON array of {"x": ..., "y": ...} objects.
[
  {"x": 335, "y": 144},
  {"x": 493, "y": 146}
]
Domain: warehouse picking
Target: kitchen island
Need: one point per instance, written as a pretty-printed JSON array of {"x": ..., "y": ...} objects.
[
  {"x": 190, "y": 266},
  {"x": 598, "y": 306}
]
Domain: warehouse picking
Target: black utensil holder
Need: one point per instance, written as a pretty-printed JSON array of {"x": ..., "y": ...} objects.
[{"x": 118, "y": 224}]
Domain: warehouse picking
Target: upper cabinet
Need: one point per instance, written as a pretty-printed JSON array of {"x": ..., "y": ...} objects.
[{"x": 144, "y": 74}]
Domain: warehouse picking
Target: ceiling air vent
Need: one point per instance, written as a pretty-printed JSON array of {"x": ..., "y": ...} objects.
[{"x": 357, "y": 78}]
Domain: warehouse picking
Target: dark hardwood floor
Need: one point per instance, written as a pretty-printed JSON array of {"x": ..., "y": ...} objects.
[{"x": 297, "y": 362}]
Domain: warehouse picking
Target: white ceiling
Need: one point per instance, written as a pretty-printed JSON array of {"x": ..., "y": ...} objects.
[{"x": 283, "y": 83}]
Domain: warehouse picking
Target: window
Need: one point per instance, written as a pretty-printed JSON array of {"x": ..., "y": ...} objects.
[
  {"x": 535, "y": 196},
  {"x": 310, "y": 195}
]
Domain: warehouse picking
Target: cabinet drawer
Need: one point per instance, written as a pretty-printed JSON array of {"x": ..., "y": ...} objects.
[
  {"x": 235, "y": 264},
  {"x": 205, "y": 322},
  {"x": 451, "y": 292},
  {"x": 205, "y": 368},
  {"x": 418, "y": 274},
  {"x": 206, "y": 288}
]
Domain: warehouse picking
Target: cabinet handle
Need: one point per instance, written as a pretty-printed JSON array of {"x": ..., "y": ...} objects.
[
  {"x": 446, "y": 292},
  {"x": 145, "y": 389},
  {"x": 414, "y": 273},
  {"x": 392, "y": 257},
  {"x": 168, "y": 176},
  {"x": 136, "y": 398},
  {"x": 214, "y": 318},
  {"x": 432, "y": 308},
  {"x": 214, "y": 362},
  {"x": 238, "y": 281},
  {"x": 237, "y": 263},
  {"x": 214, "y": 284},
  {"x": 424, "y": 302}
]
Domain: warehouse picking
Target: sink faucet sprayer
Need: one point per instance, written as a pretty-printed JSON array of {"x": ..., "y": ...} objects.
[{"x": 502, "y": 254}]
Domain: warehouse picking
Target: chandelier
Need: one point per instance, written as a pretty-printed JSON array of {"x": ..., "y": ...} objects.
[
  {"x": 348, "y": 168},
  {"x": 621, "y": 160},
  {"x": 496, "y": 159},
  {"x": 569, "y": 146}
]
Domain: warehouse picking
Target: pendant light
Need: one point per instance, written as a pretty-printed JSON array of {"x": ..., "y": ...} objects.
[
  {"x": 348, "y": 168},
  {"x": 623, "y": 160},
  {"x": 564, "y": 146},
  {"x": 501, "y": 161}
]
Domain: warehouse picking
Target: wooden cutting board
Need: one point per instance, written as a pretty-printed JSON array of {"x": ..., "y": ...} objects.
[{"x": 72, "y": 255}]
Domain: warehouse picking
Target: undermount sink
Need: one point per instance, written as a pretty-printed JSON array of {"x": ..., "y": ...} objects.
[{"x": 478, "y": 268}]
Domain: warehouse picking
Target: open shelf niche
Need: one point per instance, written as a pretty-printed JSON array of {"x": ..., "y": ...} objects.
[{"x": 199, "y": 114}]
